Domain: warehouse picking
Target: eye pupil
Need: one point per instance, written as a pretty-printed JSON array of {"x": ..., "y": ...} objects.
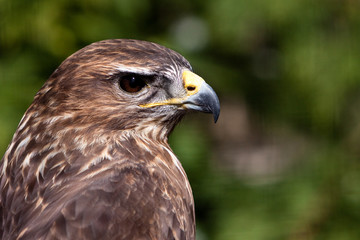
[
  {"x": 131, "y": 83},
  {"x": 135, "y": 82}
]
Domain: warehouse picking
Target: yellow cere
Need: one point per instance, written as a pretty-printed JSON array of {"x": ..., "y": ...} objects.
[{"x": 192, "y": 84}]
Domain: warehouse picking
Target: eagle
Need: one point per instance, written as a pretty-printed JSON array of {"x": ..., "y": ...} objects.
[{"x": 90, "y": 158}]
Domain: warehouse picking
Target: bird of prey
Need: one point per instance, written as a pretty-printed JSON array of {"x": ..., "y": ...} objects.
[{"x": 90, "y": 157}]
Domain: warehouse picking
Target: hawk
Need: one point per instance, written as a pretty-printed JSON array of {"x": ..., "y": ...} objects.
[{"x": 90, "y": 158}]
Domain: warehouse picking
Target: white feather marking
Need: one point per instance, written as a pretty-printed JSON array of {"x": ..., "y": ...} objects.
[
  {"x": 176, "y": 161},
  {"x": 4, "y": 166},
  {"x": 99, "y": 158},
  {"x": 39, "y": 202},
  {"x": 173, "y": 70},
  {"x": 180, "y": 168},
  {"x": 26, "y": 161},
  {"x": 57, "y": 165},
  {"x": 41, "y": 168},
  {"x": 52, "y": 119},
  {"x": 23, "y": 121},
  {"x": 144, "y": 143},
  {"x": 94, "y": 173},
  {"x": 24, "y": 142},
  {"x": 137, "y": 69},
  {"x": 22, "y": 233},
  {"x": 5, "y": 163},
  {"x": 56, "y": 118},
  {"x": 81, "y": 143}
]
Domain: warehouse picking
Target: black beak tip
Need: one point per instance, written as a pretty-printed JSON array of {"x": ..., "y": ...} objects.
[
  {"x": 214, "y": 105},
  {"x": 216, "y": 116}
]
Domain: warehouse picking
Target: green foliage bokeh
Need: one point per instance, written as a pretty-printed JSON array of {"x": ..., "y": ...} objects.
[{"x": 294, "y": 64}]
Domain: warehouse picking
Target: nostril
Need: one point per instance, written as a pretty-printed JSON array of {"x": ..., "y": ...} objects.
[{"x": 191, "y": 88}]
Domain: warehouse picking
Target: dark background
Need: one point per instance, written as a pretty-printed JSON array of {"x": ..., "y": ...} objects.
[{"x": 283, "y": 160}]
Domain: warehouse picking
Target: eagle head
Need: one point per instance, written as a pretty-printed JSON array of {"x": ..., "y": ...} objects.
[{"x": 122, "y": 84}]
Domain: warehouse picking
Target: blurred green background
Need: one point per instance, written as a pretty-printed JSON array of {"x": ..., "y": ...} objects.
[{"x": 283, "y": 160}]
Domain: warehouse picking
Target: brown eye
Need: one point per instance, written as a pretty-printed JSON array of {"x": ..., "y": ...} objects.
[{"x": 131, "y": 83}]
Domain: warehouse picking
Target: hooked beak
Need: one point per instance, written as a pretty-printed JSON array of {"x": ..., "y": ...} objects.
[{"x": 199, "y": 96}]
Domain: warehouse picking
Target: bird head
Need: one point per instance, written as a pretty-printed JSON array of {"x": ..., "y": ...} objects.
[{"x": 124, "y": 85}]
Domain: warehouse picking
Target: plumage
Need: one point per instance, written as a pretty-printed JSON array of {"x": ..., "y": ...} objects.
[{"x": 90, "y": 157}]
